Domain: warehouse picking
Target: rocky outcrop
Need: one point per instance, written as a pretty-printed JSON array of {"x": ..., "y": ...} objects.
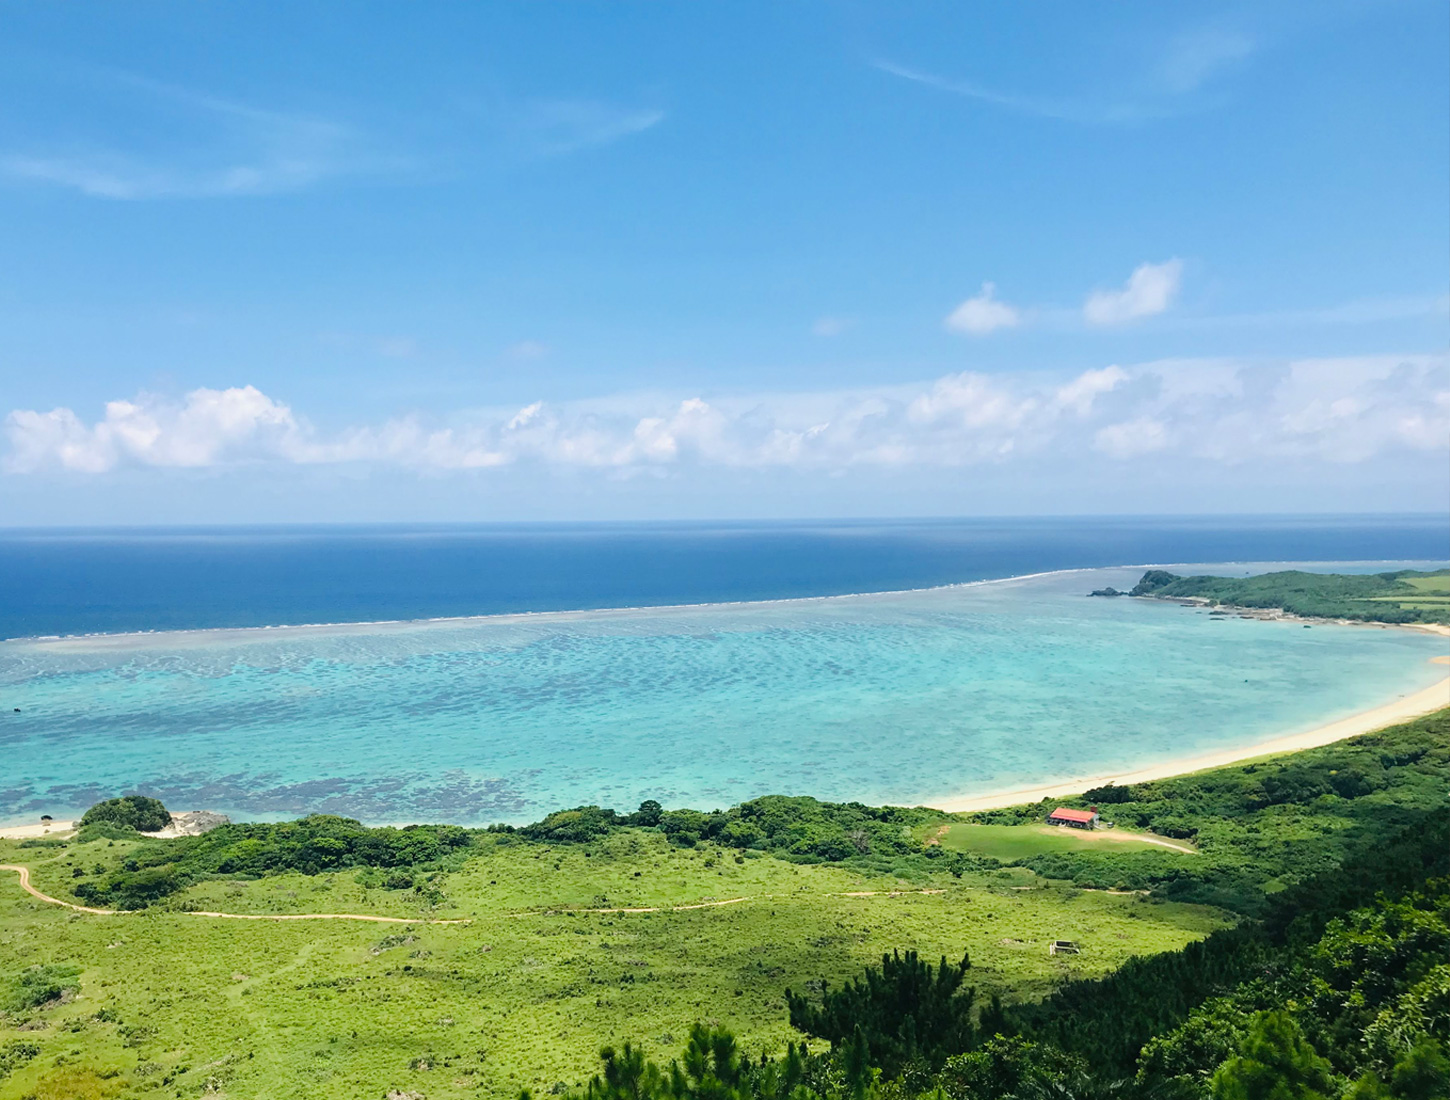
[{"x": 191, "y": 823}]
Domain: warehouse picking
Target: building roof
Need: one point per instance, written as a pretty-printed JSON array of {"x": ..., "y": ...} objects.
[{"x": 1062, "y": 813}]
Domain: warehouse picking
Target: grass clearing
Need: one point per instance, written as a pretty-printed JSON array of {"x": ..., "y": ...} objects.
[
  {"x": 1435, "y": 584},
  {"x": 1013, "y": 842},
  {"x": 523, "y": 995}
]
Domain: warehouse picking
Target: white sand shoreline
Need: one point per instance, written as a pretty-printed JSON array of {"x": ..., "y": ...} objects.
[{"x": 1414, "y": 705}]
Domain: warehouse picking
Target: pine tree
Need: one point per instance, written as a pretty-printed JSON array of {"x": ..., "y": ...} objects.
[{"x": 1277, "y": 1063}]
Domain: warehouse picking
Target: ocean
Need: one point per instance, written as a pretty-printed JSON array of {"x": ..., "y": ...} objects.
[{"x": 696, "y": 664}]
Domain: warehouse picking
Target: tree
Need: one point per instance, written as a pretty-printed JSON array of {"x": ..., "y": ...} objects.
[
  {"x": 1423, "y": 1073},
  {"x": 627, "y": 1076},
  {"x": 1276, "y": 1062},
  {"x": 134, "y": 811},
  {"x": 648, "y": 814},
  {"x": 904, "y": 1011}
]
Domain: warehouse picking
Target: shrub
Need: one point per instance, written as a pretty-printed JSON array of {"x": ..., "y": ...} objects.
[
  {"x": 135, "y": 811},
  {"x": 36, "y": 986}
]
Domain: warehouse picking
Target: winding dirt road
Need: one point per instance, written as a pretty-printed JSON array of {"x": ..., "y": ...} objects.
[{"x": 24, "y": 873}]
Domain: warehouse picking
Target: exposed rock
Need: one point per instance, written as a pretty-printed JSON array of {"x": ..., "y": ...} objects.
[{"x": 191, "y": 823}]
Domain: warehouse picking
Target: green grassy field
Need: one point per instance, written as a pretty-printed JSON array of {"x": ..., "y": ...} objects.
[
  {"x": 171, "y": 1004},
  {"x": 1013, "y": 842},
  {"x": 1432, "y": 594}
]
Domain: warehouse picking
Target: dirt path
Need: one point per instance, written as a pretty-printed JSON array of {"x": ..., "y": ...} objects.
[
  {"x": 24, "y": 873},
  {"x": 1165, "y": 843},
  {"x": 717, "y": 904}
]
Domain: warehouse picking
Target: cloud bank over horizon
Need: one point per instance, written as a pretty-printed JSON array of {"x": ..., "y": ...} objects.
[{"x": 1332, "y": 413}]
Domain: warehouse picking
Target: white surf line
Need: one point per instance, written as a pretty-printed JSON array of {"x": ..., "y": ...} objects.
[{"x": 508, "y": 617}]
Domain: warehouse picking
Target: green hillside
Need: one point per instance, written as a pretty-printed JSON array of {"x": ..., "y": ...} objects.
[{"x": 594, "y": 929}]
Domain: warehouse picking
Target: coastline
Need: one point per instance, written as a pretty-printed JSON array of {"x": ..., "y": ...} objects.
[
  {"x": 1406, "y": 707},
  {"x": 1415, "y": 705},
  {"x": 1428, "y": 699}
]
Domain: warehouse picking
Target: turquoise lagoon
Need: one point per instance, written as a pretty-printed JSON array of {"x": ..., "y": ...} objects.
[{"x": 887, "y": 698}]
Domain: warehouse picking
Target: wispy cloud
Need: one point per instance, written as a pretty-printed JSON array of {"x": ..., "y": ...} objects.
[
  {"x": 983, "y": 314},
  {"x": 555, "y": 126},
  {"x": 184, "y": 143},
  {"x": 1149, "y": 290},
  {"x": 1330, "y": 411},
  {"x": 1067, "y": 110},
  {"x": 1194, "y": 58},
  {"x": 1166, "y": 86},
  {"x": 197, "y": 146}
]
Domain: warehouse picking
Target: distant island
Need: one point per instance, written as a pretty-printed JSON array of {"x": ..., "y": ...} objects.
[{"x": 1405, "y": 596}]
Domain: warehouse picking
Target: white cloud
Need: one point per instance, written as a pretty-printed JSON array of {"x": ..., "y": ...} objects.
[
  {"x": 1079, "y": 394},
  {"x": 207, "y": 428},
  {"x": 1149, "y": 290},
  {"x": 983, "y": 314},
  {"x": 1131, "y": 438},
  {"x": 1196, "y": 411}
]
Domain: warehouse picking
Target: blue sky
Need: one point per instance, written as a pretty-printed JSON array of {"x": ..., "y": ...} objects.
[{"x": 447, "y": 261}]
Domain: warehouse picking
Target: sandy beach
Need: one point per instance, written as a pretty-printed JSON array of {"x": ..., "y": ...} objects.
[
  {"x": 1432, "y": 698},
  {"x": 1406, "y": 707},
  {"x": 183, "y": 823},
  {"x": 30, "y": 832}
]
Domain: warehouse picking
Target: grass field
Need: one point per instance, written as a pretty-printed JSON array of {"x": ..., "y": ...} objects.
[
  {"x": 1013, "y": 842},
  {"x": 1432, "y": 594},
  {"x": 171, "y": 1004}
]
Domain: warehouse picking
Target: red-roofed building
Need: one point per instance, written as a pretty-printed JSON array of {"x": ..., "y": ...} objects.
[{"x": 1073, "y": 819}]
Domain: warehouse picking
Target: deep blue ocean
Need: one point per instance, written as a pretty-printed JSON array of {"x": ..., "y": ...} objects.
[
  {"x": 696, "y": 664},
  {"x": 106, "y": 581}
]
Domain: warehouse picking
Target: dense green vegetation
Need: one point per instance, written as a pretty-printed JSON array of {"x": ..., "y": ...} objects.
[
  {"x": 158, "y": 869},
  {"x": 1260, "y": 826},
  {"x": 1342, "y": 991},
  {"x": 1405, "y": 596},
  {"x": 900, "y": 1015},
  {"x": 797, "y": 829},
  {"x": 132, "y": 811},
  {"x": 743, "y": 931}
]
